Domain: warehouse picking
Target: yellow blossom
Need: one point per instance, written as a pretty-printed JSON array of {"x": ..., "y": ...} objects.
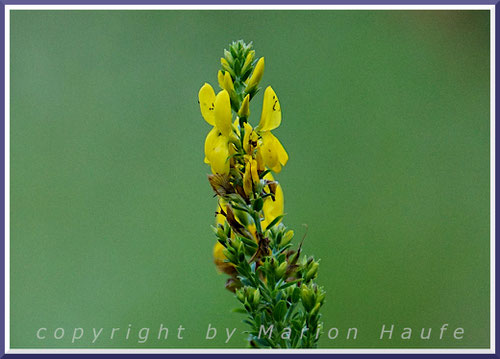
[
  {"x": 271, "y": 151},
  {"x": 273, "y": 208},
  {"x": 216, "y": 110},
  {"x": 251, "y": 176}
]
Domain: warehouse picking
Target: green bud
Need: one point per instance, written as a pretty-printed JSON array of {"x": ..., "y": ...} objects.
[
  {"x": 228, "y": 57},
  {"x": 307, "y": 297},
  {"x": 280, "y": 271},
  {"x": 321, "y": 296},
  {"x": 256, "y": 297},
  {"x": 227, "y": 67},
  {"x": 247, "y": 306},
  {"x": 248, "y": 62},
  {"x": 315, "y": 310},
  {"x": 311, "y": 273},
  {"x": 240, "y": 295},
  {"x": 287, "y": 238}
]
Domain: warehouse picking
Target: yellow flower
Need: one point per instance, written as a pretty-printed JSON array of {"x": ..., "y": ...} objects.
[
  {"x": 273, "y": 208},
  {"x": 272, "y": 152},
  {"x": 216, "y": 110},
  {"x": 206, "y": 98},
  {"x": 250, "y": 177}
]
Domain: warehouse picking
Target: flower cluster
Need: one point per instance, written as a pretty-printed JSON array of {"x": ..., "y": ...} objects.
[{"x": 274, "y": 284}]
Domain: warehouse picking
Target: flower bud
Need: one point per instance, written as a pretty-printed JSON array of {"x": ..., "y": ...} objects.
[
  {"x": 257, "y": 74},
  {"x": 307, "y": 297},
  {"x": 311, "y": 273},
  {"x": 248, "y": 62},
  {"x": 228, "y": 57},
  {"x": 281, "y": 269},
  {"x": 240, "y": 295},
  {"x": 220, "y": 79},
  {"x": 244, "y": 111},
  {"x": 247, "y": 181},
  {"x": 287, "y": 238},
  {"x": 226, "y": 66},
  {"x": 228, "y": 83},
  {"x": 256, "y": 297}
]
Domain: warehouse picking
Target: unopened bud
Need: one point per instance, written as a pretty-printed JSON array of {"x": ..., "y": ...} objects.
[
  {"x": 244, "y": 111},
  {"x": 287, "y": 238},
  {"x": 226, "y": 66},
  {"x": 257, "y": 74},
  {"x": 281, "y": 269},
  {"x": 220, "y": 79},
  {"x": 228, "y": 57},
  {"x": 228, "y": 83},
  {"x": 248, "y": 62}
]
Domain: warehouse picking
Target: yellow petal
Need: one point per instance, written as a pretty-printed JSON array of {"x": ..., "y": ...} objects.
[
  {"x": 269, "y": 153},
  {"x": 261, "y": 165},
  {"x": 253, "y": 169},
  {"x": 220, "y": 79},
  {"x": 269, "y": 176},
  {"x": 273, "y": 209},
  {"x": 247, "y": 180},
  {"x": 228, "y": 82},
  {"x": 220, "y": 218},
  {"x": 246, "y": 137},
  {"x": 210, "y": 142},
  {"x": 271, "y": 111},
  {"x": 217, "y": 152},
  {"x": 245, "y": 107},
  {"x": 206, "y": 97},
  {"x": 223, "y": 112},
  {"x": 280, "y": 150}
]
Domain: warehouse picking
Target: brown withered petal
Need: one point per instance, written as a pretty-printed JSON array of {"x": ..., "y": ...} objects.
[
  {"x": 241, "y": 192},
  {"x": 232, "y": 284},
  {"x": 272, "y": 187},
  {"x": 291, "y": 269},
  {"x": 220, "y": 184}
]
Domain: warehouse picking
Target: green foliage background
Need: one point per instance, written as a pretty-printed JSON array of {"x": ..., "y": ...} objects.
[{"x": 385, "y": 118}]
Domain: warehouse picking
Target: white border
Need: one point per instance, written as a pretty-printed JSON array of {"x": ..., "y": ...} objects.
[{"x": 8, "y": 8}]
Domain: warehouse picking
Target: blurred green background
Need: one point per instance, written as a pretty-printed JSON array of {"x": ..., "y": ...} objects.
[{"x": 385, "y": 119}]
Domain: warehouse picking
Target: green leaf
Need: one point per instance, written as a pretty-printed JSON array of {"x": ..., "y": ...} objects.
[
  {"x": 249, "y": 242},
  {"x": 258, "y": 204},
  {"x": 239, "y": 310},
  {"x": 276, "y": 220},
  {"x": 280, "y": 310},
  {"x": 296, "y": 295},
  {"x": 286, "y": 285}
]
